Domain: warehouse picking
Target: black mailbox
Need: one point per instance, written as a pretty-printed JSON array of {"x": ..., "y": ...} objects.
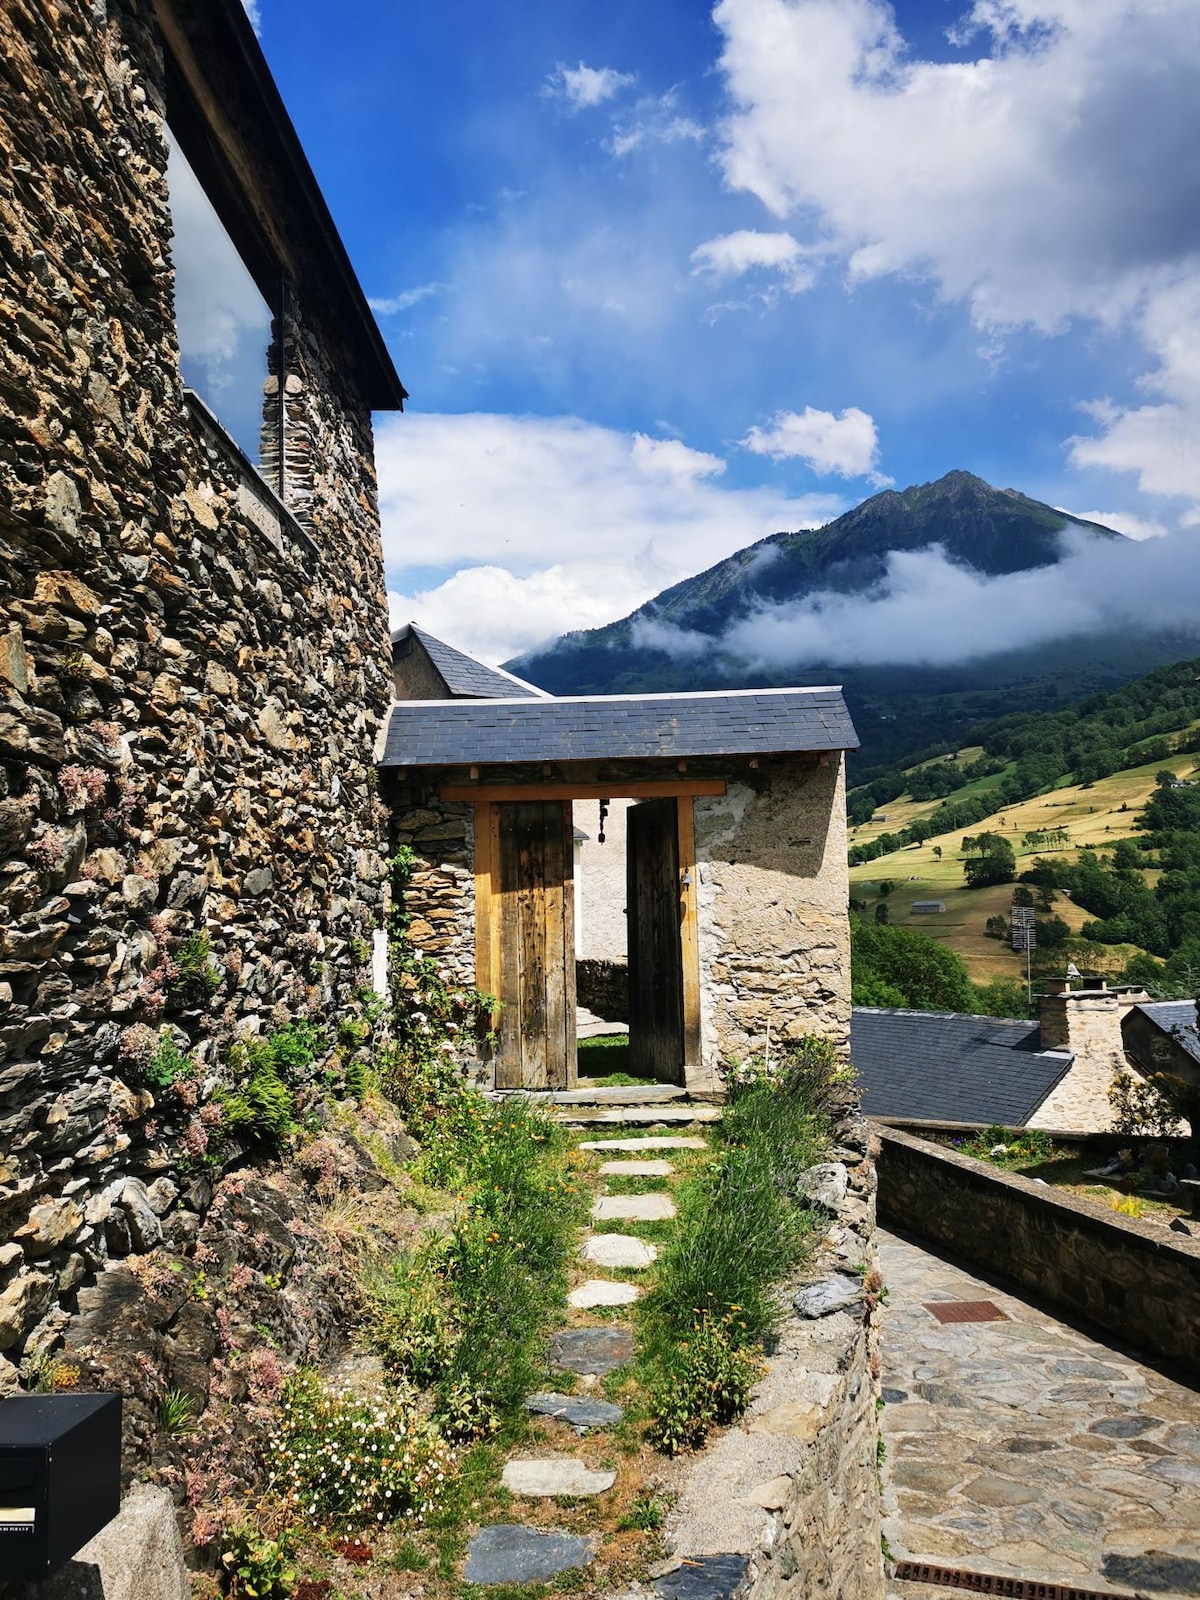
[{"x": 60, "y": 1477}]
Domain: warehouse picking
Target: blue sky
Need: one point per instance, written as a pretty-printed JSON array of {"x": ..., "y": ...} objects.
[{"x": 664, "y": 279}]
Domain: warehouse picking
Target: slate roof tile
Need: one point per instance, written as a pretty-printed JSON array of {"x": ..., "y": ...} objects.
[
  {"x": 947, "y": 1067},
  {"x": 469, "y": 732}
]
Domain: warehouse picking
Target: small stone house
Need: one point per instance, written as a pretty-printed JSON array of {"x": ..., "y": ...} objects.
[
  {"x": 736, "y": 881},
  {"x": 1055, "y": 1073},
  {"x": 194, "y": 655}
]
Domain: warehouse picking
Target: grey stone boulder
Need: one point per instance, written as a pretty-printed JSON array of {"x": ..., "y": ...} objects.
[
  {"x": 705, "y": 1578},
  {"x": 840, "y": 1292},
  {"x": 825, "y": 1185},
  {"x": 145, "y": 1230},
  {"x": 138, "y": 1556}
]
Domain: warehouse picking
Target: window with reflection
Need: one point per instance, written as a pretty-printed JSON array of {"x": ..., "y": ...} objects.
[{"x": 224, "y": 324}]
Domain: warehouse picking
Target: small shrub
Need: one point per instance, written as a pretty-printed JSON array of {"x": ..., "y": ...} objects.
[
  {"x": 707, "y": 1385},
  {"x": 260, "y": 1110},
  {"x": 168, "y": 1064},
  {"x": 408, "y": 1318},
  {"x": 346, "y": 1462},
  {"x": 195, "y": 979},
  {"x": 645, "y": 1515},
  {"x": 294, "y": 1049},
  {"x": 1143, "y": 1109},
  {"x": 257, "y": 1567}
]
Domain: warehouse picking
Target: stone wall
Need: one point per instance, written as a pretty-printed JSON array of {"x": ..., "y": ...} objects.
[
  {"x": 1087, "y": 1023},
  {"x": 603, "y": 987},
  {"x": 441, "y": 892},
  {"x": 1134, "y": 1280},
  {"x": 192, "y": 675},
  {"x": 794, "y": 1486},
  {"x": 773, "y": 928},
  {"x": 602, "y": 879}
]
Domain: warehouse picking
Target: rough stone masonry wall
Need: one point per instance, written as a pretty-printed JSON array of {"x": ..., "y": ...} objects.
[
  {"x": 774, "y": 933},
  {"x": 441, "y": 895},
  {"x": 190, "y": 680},
  {"x": 1132, "y": 1278}
]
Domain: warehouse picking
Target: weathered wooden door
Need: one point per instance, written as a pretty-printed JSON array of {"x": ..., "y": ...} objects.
[
  {"x": 533, "y": 904},
  {"x": 653, "y": 911}
]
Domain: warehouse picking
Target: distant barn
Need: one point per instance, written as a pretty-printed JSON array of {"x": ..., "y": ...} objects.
[{"x": 928, "y": 908}]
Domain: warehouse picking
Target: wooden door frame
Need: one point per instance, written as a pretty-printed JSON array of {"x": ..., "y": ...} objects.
[{"x": 487, "y": 920}]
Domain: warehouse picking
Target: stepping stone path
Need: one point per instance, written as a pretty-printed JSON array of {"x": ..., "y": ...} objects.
[
  {"x": 591, "y": 1352},
  {"x": 636, "y": 1169},
  {"x": 509, "y": 1553},
  {"x": 704, "y": 1578},
  {"x": 619, "y": 1250},
  {"x": 555, "y": 1475},
  {"x": 634, "y": 1208},
  {"x": 651, "y": 1142},
  {"x": 581, "y": 1411},
  {"x": 602, "y": 1292}
]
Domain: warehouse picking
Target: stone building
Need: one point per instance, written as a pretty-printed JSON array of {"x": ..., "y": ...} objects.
[
  {"x": 194, "y": 658},
  {"x": 736, "y": 866}
]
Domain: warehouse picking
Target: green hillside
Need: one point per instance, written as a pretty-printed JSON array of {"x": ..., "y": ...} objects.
[{"x": 1083, "y": 800}]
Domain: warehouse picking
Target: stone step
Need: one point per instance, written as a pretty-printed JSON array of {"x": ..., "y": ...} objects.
[
  {"x": 510, "y": 1553},
  {"x": 555, "y": 1475},
  {"x": 636, "y": 1169},
  {"x": 619, "y": 1250},
  {"x": 635, "y": 1116},
  {"x": 650, "y": 1142},
  {"x": 602, "y": 1292},
  {"x": 624, "y": 1094},
  {"x": 590, "y": 1352},
  {"x": 633, "y": 1208},
  {"x": 580, "y": 1410}
]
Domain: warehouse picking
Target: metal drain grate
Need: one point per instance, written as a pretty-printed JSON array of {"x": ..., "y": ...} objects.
[
  {"x": 965, "y": 1311},
  {"x": 993, "y": 1583}
]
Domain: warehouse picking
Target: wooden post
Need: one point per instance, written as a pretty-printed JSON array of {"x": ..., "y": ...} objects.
[{"x": 689, "y": 930}]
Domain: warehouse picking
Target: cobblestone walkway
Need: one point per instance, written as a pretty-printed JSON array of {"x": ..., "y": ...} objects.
[{"x": 1022, "y": 1447}]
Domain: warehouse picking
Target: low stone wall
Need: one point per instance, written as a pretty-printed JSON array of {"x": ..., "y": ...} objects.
[
  {"x": 603, "y": 988},
  {"x": 794, "y": 1486},
  {"x": 1132, "y": 1279}
]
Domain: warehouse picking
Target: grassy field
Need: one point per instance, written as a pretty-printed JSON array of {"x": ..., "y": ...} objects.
[{"x": 1099, "y": 815}]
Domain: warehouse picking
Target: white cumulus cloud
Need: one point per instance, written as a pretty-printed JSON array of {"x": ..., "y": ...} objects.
[
  {"x": 732, "y": 255},
  {"x": 1049, "y": 176},
  {"x": 389, "y": 305},
  {"x": 583, "y": 87},
  {"x": 847, "y": 444},
  {"x": 503, "y": 531}
]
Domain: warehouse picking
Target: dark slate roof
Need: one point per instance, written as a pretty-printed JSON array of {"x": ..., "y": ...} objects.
[
  {"x": 464, "y": 675},
  {"x": 1178, "y": 1018},
  {"x": 454, "y": 733},
  {"x": 935, "y": 1066}
]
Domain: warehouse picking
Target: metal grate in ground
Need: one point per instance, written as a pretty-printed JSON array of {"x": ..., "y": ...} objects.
[
  {"x": 965, "y": 1311},
  {"x": 994, "y": 1583}
]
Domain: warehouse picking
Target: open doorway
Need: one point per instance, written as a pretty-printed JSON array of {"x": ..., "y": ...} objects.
[{"x": 637, "y": 977}]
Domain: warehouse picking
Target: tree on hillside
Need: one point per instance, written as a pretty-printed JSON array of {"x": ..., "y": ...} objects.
[
  {"x": 924, "y": 973},
  {"x": 991, "y": 860}
]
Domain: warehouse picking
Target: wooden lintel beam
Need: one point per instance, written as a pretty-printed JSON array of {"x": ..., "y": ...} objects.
[{"x": 617, "y": 789}]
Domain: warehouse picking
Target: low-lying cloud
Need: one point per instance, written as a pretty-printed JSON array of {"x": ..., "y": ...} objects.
[{"x": 929, "y": 611}]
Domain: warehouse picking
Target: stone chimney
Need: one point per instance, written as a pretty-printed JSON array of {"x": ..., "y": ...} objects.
[{"x": 1083, "y": 1016}]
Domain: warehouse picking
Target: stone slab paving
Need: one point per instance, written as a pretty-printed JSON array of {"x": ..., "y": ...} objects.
[
  {"x": 645, "y": 1116},
  {"x": 652, "y": 1141},
  {"x": 1023, "y": 1447},
  {"x": 551, "y": 1475},
  {"x": 633, "y": 1208},
  {"x": 602, "y": 1292},
  {"x": 636, "y": 1169},
  {"x": 580, "y": 1410},
  {"x": 619, "y": 1250},
  {"x": 590, "y": 1352},
  {"x": 511, "y": 1553}
]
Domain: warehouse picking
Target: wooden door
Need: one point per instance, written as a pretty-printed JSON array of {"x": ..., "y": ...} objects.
[
  {"x": 653, "y": 912},
  {"x": 533, "y": 939}
]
